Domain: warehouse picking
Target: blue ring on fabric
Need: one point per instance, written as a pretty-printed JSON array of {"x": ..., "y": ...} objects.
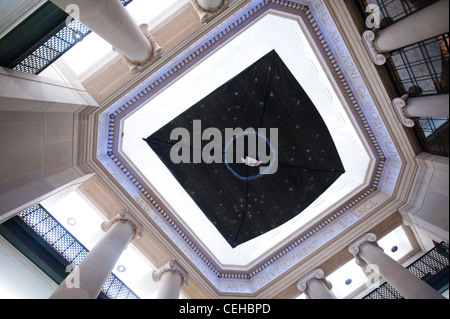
[{"x": 255, "y": 176}]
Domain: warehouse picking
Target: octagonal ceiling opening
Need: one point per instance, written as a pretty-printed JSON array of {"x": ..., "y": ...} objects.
[
  {"x": 270, "y": 32},
  {"x": 253, "y": 141}
]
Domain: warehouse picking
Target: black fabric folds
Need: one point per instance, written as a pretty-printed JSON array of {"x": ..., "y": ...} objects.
[{"x": 244, "y": 202}]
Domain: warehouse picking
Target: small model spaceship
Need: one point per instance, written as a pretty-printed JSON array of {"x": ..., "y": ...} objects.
[{"x": 251, "y": 162}]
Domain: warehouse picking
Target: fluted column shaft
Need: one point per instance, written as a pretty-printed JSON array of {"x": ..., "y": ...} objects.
[
  {"x": 316, "y": 286},
  {"x": 112, "y": 22},
  {"x": 367, "y": 252}
]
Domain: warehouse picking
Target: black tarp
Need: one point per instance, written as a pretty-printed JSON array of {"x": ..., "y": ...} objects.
[{"x": 244, "y": 202}]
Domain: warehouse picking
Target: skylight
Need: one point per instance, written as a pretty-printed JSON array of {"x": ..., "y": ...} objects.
[
  {"x": 268, "y": 33},
  {"x": 299, "y": 171}
]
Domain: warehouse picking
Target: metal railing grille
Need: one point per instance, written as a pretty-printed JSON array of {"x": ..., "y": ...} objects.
[
  {"x": 422, "y": 66},
  {"x": 55, "y": 47},
  {"x": 48, "y": 228}
]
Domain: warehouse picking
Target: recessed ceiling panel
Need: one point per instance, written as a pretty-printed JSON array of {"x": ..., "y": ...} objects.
[{"x": 253, "y": 154}]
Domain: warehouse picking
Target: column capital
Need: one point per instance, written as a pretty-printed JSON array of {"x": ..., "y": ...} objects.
[
  {"x": 173, "y": 266},
  {"x": 316, "y": 274},
  {"x": 355, "y": 247},
  {"x": 125, "y": 215},
  {"x": 368, "y": 38},
  {"x": 399, "y": 105}
]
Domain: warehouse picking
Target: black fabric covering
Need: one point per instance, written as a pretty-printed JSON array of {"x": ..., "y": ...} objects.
[{"x": 236, "y": 198}]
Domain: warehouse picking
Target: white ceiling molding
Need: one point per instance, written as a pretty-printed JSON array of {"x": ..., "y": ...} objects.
[{"x": 381, "y": 175}]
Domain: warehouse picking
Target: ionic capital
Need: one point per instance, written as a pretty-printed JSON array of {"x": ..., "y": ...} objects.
[
  {"x": 355, "y": 247},
  {"x": 125, "y": 216},
  {"x": 172, "y": 266},
  {"x": 316, "y": 274},
  {"x": 399, "y": 105},
  {"x": 368, "y": 39}
]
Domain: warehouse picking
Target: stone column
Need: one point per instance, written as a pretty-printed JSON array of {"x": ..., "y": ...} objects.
[
  {"x": 111, "y": 21},
  {"x": 316, "y": 286},
  {"x": 87, "y": 279},
  {"x": 368, "y": 254},
  {"x": 427, "y": 106},
  {"x": 424, "y": 24},
  {"x": 208, "y": 9},
  {"x": 171, "y": 277}
]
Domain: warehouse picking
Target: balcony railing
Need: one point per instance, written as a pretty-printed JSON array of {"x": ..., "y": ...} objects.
[
  {"x": 55, "y": 47},
  {"x": 428, "y": 267}
]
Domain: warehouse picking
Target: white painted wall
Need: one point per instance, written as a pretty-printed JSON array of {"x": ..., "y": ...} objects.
[
  {"x": 19, "y": 278},
  {"x": 12, "y": 12}
]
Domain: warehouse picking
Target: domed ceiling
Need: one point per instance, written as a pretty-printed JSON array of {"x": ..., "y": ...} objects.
[{"x": 327, "y": 163}]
